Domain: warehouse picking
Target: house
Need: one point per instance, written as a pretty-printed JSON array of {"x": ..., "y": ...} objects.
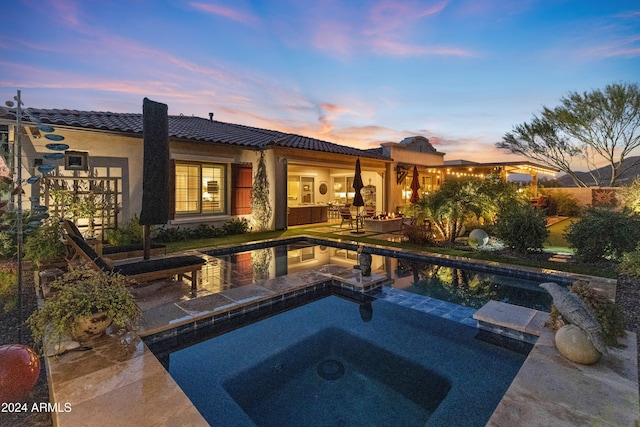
[{"x": 212, "y": 165}]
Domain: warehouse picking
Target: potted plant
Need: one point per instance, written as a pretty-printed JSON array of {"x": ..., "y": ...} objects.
[
  {"x": 83, "y": 295},
  {"x": 45, "y": 246}
]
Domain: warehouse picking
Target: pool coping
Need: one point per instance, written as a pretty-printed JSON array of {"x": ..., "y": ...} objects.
[
  {"x": 539, "y": 394},
  {"x": 130, "y": 386}
]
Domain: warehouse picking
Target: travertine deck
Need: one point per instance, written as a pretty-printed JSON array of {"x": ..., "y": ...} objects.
[
  {"x": 121, "y": 382},
  {"x": 549, "y": 390}
]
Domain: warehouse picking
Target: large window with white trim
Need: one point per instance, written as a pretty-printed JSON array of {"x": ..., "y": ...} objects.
[{"x": 200, "y": 188}]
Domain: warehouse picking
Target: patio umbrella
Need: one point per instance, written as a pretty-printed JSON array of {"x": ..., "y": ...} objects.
[
  {"x": 415, "y": 186},
  {"x": 358, "y": 201}
]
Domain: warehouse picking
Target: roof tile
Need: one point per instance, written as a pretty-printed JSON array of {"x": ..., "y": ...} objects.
[{"x": 190, "y": 128}]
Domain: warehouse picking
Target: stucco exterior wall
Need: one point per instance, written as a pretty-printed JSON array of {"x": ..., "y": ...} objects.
[
  {"x": 109, "y": 155},
  {"x": 583, "y": 195}
]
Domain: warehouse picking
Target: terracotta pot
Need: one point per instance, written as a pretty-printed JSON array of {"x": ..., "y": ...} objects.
[
  {"x": 90, "y": 327},
  {"x": 19, "y": 371}
]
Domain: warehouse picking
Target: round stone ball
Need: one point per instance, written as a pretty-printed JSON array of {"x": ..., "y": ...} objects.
[
  {"x": 573, "y": 343},
  {"x": 19, "y": 371},
  {"x": 480, "y": 236}
]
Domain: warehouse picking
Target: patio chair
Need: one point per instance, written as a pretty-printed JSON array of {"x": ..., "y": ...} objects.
[
  {"x": 144, "y": 270},
  {"x": 369, "y": 212},
  {"x": 117, "y": 252},
  {"x": 542, "y": 203},
  {"x": 345, "y": 214}
]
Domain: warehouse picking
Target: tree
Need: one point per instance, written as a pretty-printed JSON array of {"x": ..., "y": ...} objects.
[
  {"x": 260, "y": 205},
  {"x": 592, "y": 127},
  {"x": 449, "y": 207}
]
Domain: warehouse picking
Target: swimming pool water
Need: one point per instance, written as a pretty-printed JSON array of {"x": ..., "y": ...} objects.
[
  {"x": 461, "y": 286},
  {"x": 399, "y": 364}
]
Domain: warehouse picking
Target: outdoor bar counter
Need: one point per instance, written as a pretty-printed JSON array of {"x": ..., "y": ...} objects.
[{"x": 307, "y": 214}]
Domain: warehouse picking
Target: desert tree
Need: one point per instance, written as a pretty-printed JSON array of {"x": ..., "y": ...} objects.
[{"x": 593, "y": 127}]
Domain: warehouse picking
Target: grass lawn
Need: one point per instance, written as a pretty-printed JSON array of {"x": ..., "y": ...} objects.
[
  {"x": 556, "y": 238},
  {"x": 556, "y": 244}
]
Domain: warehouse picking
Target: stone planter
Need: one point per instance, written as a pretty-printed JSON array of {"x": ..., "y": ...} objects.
[
  {"x": 573, "y": 343},
  {"x": 90, "y": 327}
]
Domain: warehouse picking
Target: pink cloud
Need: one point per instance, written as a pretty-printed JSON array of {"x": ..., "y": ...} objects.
[
  {"x": 387, "y": 30},
  {"x": 623, "y": 47},
  {"x": 389, "y": 15},
  {"x": 226, "y": 12},
  {"x": 65, "y": 11},
  {"x": 401, "y": 49},
  {"x": 335, "y": 37}
]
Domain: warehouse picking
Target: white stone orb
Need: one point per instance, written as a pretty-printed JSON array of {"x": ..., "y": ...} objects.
[
  {"x": 479, "y": 236},
  {"x": 573, "y": 343}
]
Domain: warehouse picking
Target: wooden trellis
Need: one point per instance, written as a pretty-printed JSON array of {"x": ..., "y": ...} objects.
[{"x": 105, "y": 193}]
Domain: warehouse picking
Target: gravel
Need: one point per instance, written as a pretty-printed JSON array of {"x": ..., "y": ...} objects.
[{"x": 9, "y": 334}]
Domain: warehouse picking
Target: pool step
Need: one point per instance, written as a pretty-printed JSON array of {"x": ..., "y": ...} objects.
[{"x": 512, "y": 321}]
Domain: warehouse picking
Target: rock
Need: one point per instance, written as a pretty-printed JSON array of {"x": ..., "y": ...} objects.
[
  {"x": 573, "y": 343},
  {"x": 480, "y": 236}
]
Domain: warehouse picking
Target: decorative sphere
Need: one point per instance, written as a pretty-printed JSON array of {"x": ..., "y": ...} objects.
[
  {"x": 573, "y": 343},
  {"x": 19, "y": 371},
  {"x": 480, "y": 236}
]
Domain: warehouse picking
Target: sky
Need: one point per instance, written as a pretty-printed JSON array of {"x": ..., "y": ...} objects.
[{"x": 459, "y": 72}]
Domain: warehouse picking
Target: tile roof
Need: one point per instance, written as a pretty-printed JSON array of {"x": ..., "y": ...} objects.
[{"x": 190, "y": 128}]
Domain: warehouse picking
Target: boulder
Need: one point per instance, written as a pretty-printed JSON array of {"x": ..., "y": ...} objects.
[{"x": 574, "y": 344}]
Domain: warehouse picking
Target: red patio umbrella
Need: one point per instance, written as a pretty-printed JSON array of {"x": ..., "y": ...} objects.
[{"x": 415, "y": 186}]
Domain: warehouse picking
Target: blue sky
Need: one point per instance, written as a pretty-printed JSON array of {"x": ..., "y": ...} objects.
[{"x": 459, "y": 72}]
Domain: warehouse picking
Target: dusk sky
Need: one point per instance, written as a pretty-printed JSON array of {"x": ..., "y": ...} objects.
[{"x": 358, "y": 73}]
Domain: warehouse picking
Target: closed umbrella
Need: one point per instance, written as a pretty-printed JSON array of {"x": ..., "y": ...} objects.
[
  {"x": 358, "y": 201},
  {"x": 415, "y": 186}
]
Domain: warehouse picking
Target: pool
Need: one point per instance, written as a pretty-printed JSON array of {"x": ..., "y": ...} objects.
[
  {"x": 465, "y": 285},
  {"x": 334, "y": 361}
]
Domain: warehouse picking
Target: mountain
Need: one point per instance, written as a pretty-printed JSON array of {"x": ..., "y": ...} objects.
[{"x": 629, "y": 171}]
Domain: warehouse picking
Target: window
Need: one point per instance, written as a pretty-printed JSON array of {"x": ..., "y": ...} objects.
[
  {"x": 343, "y": 189},
  {"x": 75, "y": 160},
  {"x": 200, "y": 188}
]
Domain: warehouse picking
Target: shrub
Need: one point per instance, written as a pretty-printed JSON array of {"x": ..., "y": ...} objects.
[
  {"x": 204, "y": 231},
  {"x": 236, "y": 226},
  {"x": 166, "y": 234},
  {"x": 631, "y": 195},
  {"x": 630, "y": 263},
  {"x": 8, "y": 289},
  {"x": 521, "y": 227},
  {"x": 416, "y": 234},
  {"x": 175, "y": 234},
  {"x": 45, "y": 244},
  {"x": 130, "y": 232},
  {"x": 566, "y": 204},
  {"x": 8, "y": 241},
  {"x": 603, "y": 234},
  {"x": 608, "y": 313}
]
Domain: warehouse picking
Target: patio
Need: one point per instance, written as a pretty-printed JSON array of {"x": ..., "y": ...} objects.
[{"x": 120, "y": 379}]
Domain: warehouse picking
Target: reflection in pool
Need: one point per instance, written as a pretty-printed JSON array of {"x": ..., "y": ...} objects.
[{"x": 448, "y": 283}]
